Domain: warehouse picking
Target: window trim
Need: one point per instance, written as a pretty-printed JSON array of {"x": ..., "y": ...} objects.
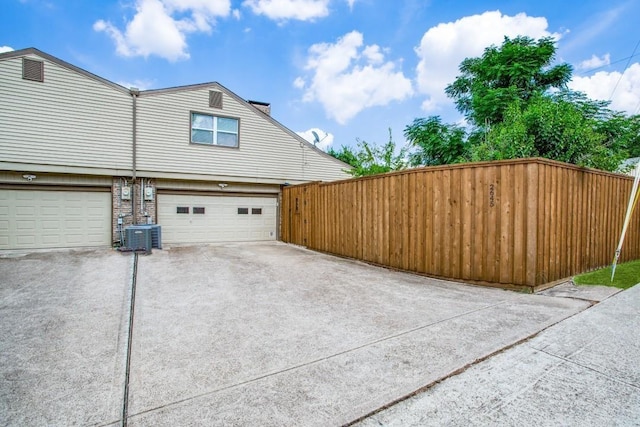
[{"x": 210, "y": 114}]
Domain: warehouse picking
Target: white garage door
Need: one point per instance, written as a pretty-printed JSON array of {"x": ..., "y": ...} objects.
[
  {"x": 33, "y": 219},
  {"x": 208, "y": 219}
]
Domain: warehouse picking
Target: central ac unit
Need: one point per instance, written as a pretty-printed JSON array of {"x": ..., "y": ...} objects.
[
  {"x": 156, "y": 233},
  {"x": 138, "y": 239}
]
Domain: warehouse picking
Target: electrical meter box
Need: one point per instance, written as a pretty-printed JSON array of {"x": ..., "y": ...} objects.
[
  {"x": 148, "y": 193},
  {"x": 126, "y": 193}
]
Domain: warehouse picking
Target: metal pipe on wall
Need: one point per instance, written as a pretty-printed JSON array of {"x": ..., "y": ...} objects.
[{"x": 134, "y": 95}]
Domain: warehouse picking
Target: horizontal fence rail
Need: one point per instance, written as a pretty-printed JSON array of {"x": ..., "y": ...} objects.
[{"x": 514, "y": 224}]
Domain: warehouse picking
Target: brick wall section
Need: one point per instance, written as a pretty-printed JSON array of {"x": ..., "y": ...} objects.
[
  {"x": 122, "y": 208},
  {"x": 119, "y": 207}
]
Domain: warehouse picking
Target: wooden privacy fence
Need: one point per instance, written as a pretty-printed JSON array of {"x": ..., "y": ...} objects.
[{"x": 514, "y": 224}]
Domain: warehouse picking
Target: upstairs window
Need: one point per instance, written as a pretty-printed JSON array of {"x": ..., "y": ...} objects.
[{"x": 214, "y": 130}]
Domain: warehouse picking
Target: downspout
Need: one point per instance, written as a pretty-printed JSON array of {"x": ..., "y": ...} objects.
[{"x": 134, "y": 94}]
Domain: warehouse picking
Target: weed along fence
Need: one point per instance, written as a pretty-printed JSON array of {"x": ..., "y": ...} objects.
[{"x": 514, "y": 224}]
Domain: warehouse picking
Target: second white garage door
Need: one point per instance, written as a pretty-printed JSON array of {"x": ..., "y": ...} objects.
[{"x": 209, "y": 219}]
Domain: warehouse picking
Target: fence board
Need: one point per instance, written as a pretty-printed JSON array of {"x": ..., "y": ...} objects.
[
  {"x": 480, "y": 224},
  {"x": 467, "y": 218},
  {"x": 519, "y": 223},
  {"x": 531, "y": 236}
]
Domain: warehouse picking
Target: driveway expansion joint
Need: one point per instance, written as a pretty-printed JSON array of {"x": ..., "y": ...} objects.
[
  {"x": 132, "y": 289},
  {"x": 590, "y": 368}
]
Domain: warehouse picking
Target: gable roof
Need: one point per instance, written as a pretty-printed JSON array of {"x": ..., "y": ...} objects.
[
  {"x": 60, "y": 62},
  {"x": 151, "y": 92},
  {"x": 247, "y": 104}
]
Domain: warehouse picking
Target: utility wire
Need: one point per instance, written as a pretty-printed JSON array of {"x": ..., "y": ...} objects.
[
  {"x": 625, "y": 69},
  {"x": 602, "y": 67}
]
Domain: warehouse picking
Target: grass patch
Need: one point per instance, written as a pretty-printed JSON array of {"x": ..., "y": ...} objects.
[{"x": 627, "y": 275}]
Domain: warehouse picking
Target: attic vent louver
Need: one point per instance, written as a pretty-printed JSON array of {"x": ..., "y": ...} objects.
[
  {"x": 32, "y": 70},
  {"x": 215, "y": 99}
]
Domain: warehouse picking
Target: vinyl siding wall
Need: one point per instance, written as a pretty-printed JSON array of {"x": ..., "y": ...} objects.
[
  {"x": 68, "y": 120},
  {"x": 265, "y": 150},
  {"x": 213, "y": 187}
]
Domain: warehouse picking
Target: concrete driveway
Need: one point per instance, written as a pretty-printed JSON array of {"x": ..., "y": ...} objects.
[{"x": 237, "y": 334}]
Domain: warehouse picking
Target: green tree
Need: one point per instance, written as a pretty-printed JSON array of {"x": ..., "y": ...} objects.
[
  {"x": 506, "y": 96},
  {"x": 507, "y": 140},
  {"x": 553, "y": 128},
  {"x": 619, "y": 130},
  {"x": 630, "y": 131},
  {"x": 435, "y": 143},
  {"x": 345, "y": 154},
  {"x": 518, "y": 70},
  {"x": 370, "y": 159}
]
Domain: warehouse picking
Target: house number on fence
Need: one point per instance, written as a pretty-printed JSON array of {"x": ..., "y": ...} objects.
[{"x": 492, "y": 195}]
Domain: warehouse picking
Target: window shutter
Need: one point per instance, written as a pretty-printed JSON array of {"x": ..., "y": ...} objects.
[
  {"x": 32, "y": 70},
  {"x": 215, "y": 99}
]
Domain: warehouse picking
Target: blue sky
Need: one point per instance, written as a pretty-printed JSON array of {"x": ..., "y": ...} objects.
[{"x": 347, "y": 68}]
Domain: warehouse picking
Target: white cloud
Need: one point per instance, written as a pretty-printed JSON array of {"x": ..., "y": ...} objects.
[
  {"x": 351, "y": 3},
  {"x": 5, "y": 49},
  {"x": 346, "y": 78},
  {"x": 373, "y": 54},
  {"x": 326, "y": 139},
  {"x": 600, "y": 85},
  {"x": 299, "y": 83},
  {"x": 594, "y": 62},
  {"x": 444, "y": 46},
  {"x": 159, "y": 27},
  {"x": 282, "y": 10}
]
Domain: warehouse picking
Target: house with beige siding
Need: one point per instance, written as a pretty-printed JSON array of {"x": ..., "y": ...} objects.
[{"x": 82, "y": 158}]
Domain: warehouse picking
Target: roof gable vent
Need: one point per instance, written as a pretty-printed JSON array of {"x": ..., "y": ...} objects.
[
  {"x": 215, "y": 99},
  {"x": 32, "y": 70}
]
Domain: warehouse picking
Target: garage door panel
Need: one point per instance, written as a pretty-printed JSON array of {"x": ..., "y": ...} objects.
[
  {"x": 50, "y": 239},
  {"x": 25, "y": 210},
  {"x": 32, "y": 219},
  {"x": 74, "y": 239},
  {"x": 50, "y": 211},
  {"x": 23, "y": 225},
  {"x": 24, "y": 195},
  {"x": 220, "y": 221},
  {"x": 73, "y": 224},
  {"x": 25, "y": 241},
  {"x": 50, "y": 225}
]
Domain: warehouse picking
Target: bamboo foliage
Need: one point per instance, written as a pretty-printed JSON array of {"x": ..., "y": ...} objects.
[{"x": 515, "y": 224}]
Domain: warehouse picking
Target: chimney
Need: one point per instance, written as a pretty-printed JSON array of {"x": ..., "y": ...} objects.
[{"x": 265, "y": 107}]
